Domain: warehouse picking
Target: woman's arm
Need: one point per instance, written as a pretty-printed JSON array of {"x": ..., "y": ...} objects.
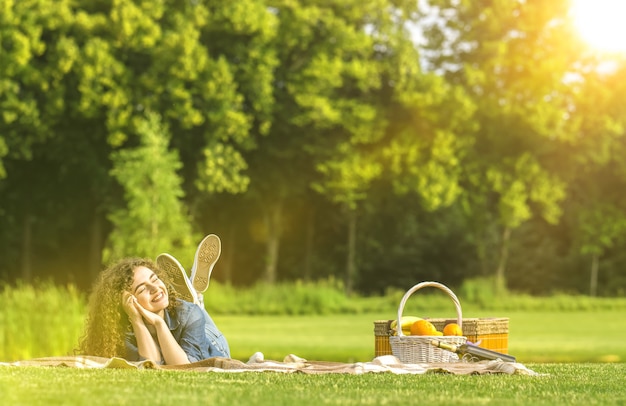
[
  {"x": 171, "y": 350},
  {"x": 146, "y": 347}
]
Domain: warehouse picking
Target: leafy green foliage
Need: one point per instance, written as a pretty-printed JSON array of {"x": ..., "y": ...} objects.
[
  {"x": 36, "y": 54},
  {"x": 292, "y": 125},
  {"x": 40, "y": 319},
  {"x": 154, "y": 219},
  {"x": 512, "y": 59},
  {"x": 323, "y": 297}
]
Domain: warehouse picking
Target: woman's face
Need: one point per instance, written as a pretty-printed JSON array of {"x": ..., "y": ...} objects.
[{"x": 149, "y": 290}]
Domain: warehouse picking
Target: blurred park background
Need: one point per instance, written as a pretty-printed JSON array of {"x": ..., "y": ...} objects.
[{"x": 377, "y": 143}]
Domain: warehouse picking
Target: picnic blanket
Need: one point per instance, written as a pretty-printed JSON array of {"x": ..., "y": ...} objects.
[{"x": 290, "y": 364}]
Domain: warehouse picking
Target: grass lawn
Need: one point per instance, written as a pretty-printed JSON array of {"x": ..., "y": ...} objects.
[
  {"x": 561, "y": 384},
  {"x": 581, "y": 356},
  {"x": 533, "y": 336}
]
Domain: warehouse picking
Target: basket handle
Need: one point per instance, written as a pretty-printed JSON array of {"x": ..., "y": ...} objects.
[{"x": 457, "y": 304}]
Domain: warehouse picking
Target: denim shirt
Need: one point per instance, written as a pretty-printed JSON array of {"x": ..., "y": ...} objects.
[{"x": 193, "y": 329}]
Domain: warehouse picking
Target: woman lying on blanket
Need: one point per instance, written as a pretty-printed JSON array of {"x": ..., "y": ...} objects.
[{"x": 140, "y": 310}]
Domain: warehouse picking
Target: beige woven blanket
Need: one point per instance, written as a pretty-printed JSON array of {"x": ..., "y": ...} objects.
[{"x": 291, "y": 363}]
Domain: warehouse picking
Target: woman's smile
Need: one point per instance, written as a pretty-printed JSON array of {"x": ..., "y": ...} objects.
[{"x": 159, "y": 296}]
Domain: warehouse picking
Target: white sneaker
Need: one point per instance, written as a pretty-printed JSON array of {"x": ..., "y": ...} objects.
[
  {"x": 207, "y": 254},
  {"x": 177, "y": 276},
  {"x": 256, "y": 358}
]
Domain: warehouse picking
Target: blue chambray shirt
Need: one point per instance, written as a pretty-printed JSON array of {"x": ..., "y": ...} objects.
[{"x": 193, "y": 329}]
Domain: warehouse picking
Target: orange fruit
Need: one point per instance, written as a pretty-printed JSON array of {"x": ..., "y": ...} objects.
[
  {"x": 423, "y": 328},
  {"x": 452, "y": 329}
]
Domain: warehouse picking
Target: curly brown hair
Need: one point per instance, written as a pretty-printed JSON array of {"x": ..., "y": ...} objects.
[{"x": 107, "y": 323}]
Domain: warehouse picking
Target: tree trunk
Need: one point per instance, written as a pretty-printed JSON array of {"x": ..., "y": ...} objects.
[
  {"x": 500, "y": 282},
  {"x": 308, "y": 247},
  {"x": 481, "y": 253},
  {"x": 350, "y": 260},
  {"x": 229, "y": 250},
  {"x": 95, "y": 247},
  {"x": 273, "y": 217},
  {"x": 27, "y": 248},
  {"x": 593, "y": 283}
]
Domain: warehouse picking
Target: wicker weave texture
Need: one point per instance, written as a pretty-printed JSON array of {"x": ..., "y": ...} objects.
[
  {"x": 418, "y": 349},
  {"x": 491, "y": 333}
]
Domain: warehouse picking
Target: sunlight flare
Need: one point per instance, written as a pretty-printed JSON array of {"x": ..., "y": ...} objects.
[{"x": 601, "y": 23}]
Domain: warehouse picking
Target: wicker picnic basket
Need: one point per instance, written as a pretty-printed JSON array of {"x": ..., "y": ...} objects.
[
  {"x": 418, "y": 349},
  {"x": 491, "y": 333}
]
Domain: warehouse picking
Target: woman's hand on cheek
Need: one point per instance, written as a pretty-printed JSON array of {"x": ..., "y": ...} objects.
[
  {"x": 129, "y": 303},
  {"x": 148, "y": 316}
]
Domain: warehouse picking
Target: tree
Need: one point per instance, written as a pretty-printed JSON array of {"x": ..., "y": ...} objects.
[
  {"x": 326, "y": 73},
  {"x": 75, "y": 78},
  {"x": 36, "y": 53},
  {"x": 598, "y": 174},
  {"x": 347, "y": 183},
  {"x": 344, "y": 74},
  {"x": 513, "y": 58},
  {"x": 154, "y": 220}
]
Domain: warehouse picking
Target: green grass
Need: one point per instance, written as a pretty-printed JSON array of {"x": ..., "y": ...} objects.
[
  {"x": 47, "y": 320},
  {"x": 596, "y": 336},
  {"x": 533, "y": 336},
  {"x": 576, "y": 343},
  {"x": 39, "y": 320},
  {"x": 561, "y": 384}
]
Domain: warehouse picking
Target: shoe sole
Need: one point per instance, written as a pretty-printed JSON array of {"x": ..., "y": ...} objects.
[
  {"x": 207, "y": 254},
  {"x": 177, "y": 276}
]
